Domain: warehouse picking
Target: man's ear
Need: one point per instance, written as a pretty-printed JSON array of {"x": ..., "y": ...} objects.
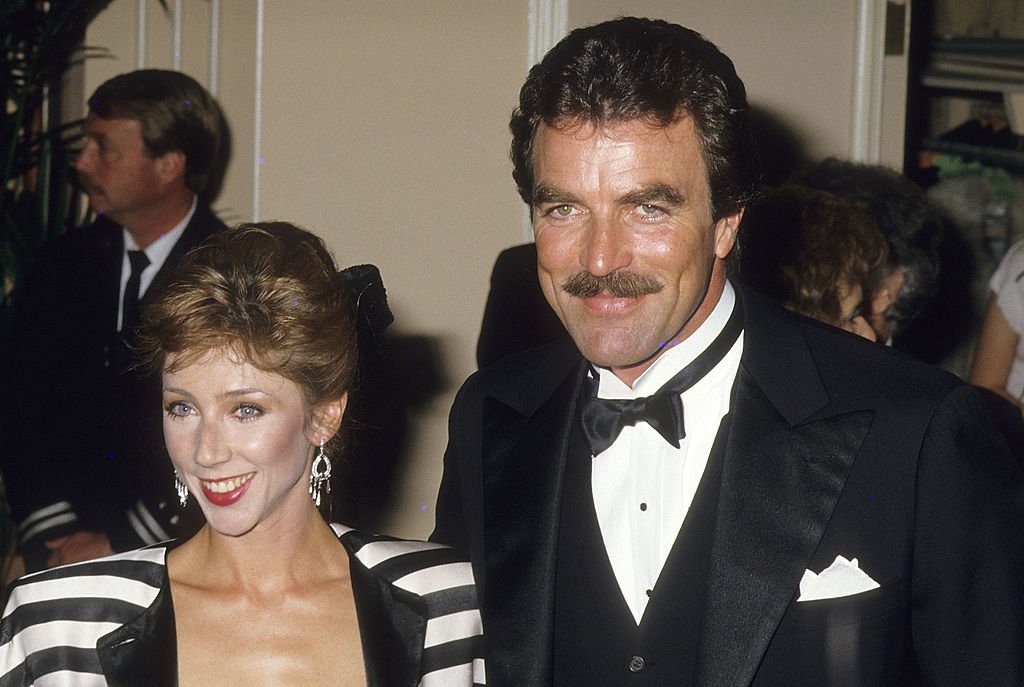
[
  {"x": 726, "y": 230},
  {"x": 326, "y": 419},
  {"x": 171, "y": 165}
]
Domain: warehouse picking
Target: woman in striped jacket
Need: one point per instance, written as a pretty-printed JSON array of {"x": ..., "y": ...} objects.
[{"x": 255, "y": 339}]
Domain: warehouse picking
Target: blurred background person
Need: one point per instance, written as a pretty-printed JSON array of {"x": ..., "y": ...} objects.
[
  {"x": 813, "y": 252},
  {"x": 819, "y": 254},
  {"x": 915, "y": 300},
  {"x": 256, "y": 342},
  {"x": 999, "y": 357},
  {"x": 516, "y": 315},
  {"x": 92, "y": 480}
]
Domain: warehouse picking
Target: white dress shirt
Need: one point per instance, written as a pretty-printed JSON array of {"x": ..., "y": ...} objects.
[
  {"x": 157, "y": 253},
  {"x": 642, "y": 485}
]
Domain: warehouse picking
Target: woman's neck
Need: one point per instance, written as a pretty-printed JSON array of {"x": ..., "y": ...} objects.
[
  {"x": 266, "y": 560},
  {"x": 280, "y": 597}
]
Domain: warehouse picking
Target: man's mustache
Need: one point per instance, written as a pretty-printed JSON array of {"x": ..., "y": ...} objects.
[{"x": 618, "y": 284}]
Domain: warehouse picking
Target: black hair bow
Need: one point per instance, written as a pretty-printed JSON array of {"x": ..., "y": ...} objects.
[{"x": 372, "y": 312}]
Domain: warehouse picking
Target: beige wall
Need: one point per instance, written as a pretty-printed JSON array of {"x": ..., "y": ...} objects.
[
  {"x": 795, "y": 57},
  {"x": 383, "y": 128}
]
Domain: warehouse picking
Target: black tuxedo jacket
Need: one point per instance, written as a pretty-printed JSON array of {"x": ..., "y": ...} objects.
[
  {"x": 836, "y": 447},
  {"x": 83, "y": 443}
]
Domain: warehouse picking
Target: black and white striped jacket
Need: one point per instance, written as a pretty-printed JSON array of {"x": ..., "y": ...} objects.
[{"x": 111, "y": 622}]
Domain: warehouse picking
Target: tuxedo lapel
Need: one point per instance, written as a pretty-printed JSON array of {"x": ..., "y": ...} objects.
[
  {"x": 110, "y": 247},
  {"x": 786, "y": 464},
  {"x": 525, "y": 448}
]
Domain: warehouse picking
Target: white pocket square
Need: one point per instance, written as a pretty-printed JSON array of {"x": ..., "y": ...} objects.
[{"x": 842, "y": 578}]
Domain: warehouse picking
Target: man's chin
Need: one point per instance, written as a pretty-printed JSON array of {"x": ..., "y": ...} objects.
[
  {"x": 102, "y": 209},
  {"x": 628, "y": 355}
]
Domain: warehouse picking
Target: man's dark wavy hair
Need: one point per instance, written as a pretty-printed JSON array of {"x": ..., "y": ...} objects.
[
  {"x": 632, "y": 68},
  {"x": 175, "y": 112}
]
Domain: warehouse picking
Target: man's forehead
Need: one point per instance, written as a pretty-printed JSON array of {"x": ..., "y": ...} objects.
[
  {"x": 570, "y": 144},
  {"x": 585, "y": 127},
  {"x": 679, "y": 136},
  {"x": 94, "y": 122}
]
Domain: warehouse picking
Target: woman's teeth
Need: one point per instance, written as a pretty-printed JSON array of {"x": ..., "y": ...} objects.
[{"x": 227, "y": 485}]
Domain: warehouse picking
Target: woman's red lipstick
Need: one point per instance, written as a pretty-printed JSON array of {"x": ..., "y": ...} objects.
[{"x": 224, "y": 492}]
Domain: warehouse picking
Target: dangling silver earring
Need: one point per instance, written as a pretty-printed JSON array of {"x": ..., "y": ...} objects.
[
  {"x": 181, "y": 488},
  {"x": 320, "y": 475}
]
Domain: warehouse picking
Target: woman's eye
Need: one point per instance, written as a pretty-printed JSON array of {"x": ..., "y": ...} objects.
[
  {"x": 178, "y": 409},
  {"x": 248, "y": 411}
]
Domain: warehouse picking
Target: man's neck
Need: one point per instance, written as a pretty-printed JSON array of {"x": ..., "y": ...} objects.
[
  {"x": 147, "y": 226},
  {"x": 630, "y": 373}
]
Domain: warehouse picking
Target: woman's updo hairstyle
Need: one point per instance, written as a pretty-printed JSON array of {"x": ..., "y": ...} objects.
[{"x": 268, "y": 293}]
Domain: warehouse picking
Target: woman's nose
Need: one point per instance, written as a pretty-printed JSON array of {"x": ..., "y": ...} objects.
[{"x": 211, "y": 449}]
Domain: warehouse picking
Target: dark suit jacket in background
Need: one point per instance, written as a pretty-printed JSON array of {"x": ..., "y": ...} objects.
[
  {"x": 516, "y": 316},
  {"x": 837, "y": 446},
  {"x": 79, "y": 425}
]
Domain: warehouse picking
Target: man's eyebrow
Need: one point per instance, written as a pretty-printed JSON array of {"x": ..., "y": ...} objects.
[
  {"x": 551, "y": 194},
  {"x": 655, "y": 194}
]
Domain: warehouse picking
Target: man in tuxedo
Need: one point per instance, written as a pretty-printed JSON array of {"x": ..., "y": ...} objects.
[
  {"x": 86, "y": 469},
  {"x": 699, "y": 487}
]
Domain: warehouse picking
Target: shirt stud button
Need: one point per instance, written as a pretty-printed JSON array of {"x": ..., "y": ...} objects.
[{"x": 636, "y": 664}]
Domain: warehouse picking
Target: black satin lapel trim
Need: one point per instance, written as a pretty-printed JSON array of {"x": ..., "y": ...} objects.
[
  {"x": 523, "y": 470},
  {"x": 795, "y": 388},
  {"x": 144, "y": 651},
  {"x": 780, "y": 486},
  {"x": 392, "y": 626}
]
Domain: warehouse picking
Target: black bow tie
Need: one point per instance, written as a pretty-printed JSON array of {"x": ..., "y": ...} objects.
[{"x": 604, "y": 418}]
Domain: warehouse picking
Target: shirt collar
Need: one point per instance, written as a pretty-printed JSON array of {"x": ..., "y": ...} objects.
[
  {"x": 673, "y": 359},
  {"x": 158, "y": 251}
]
